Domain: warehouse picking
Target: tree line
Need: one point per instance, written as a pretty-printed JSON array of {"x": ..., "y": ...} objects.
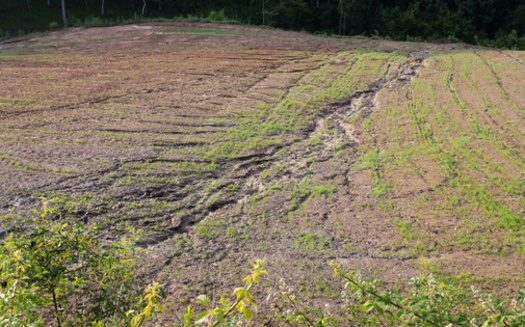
[{"x": 496, "y": 23}]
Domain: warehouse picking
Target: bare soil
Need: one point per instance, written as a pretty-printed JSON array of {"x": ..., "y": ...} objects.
[{"x": 229, "y": 143}]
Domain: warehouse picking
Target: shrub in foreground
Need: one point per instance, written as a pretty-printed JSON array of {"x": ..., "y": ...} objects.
[
  {"x": 55, "y": 270},
  {"x": 426, "y": 302}
]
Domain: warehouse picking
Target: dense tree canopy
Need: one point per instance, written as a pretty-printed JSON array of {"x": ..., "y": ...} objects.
[{"x": 486, "y": 22}]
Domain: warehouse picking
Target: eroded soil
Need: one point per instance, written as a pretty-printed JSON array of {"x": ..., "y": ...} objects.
[{"x": 228, "y": 143}]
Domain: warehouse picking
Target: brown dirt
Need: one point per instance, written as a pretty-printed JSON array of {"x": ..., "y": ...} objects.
[{"x": 165, "y": 126}]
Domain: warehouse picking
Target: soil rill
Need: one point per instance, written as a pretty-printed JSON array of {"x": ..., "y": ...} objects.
[{"x": 228, "y": 143}]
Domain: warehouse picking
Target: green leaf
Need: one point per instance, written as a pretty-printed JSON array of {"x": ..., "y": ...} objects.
[
  {"x": 202, "y": 317},
  {"x": 219, "y": 316},
  {"x": 368, "y": 306},
  {"x": 159, "y": 307},
  {"x": 204, "y": 300},
  {"x": 241, "y": 306},
  {"x": 240, "y": 293},
  {"x": 247, "y": 314},
  {"x": 147, "y": 311}
]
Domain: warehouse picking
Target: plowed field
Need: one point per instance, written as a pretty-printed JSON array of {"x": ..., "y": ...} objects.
[{"x": 228, "y": 143}]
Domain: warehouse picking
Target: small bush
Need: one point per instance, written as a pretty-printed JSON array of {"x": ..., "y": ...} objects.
[
  {"x": 4, "y": 35},
  {"x": 55, "y": 270},
  {"x": 427, "y": 301},
  {"x": 93, "y": 21},
  {"x": 217, "y": 16},
  {"x": 53, "y": 26}
]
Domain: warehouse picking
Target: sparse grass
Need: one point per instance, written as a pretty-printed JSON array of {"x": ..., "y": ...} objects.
[
  {"x": 448, "y": 132},
  {"x": 310, "y": 242}
]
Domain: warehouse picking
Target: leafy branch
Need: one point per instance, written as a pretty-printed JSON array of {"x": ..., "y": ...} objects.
[{"x": 218, "y": 315}]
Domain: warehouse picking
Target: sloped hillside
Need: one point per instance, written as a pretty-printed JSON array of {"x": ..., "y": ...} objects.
[{"x": 228, "y": 143}]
